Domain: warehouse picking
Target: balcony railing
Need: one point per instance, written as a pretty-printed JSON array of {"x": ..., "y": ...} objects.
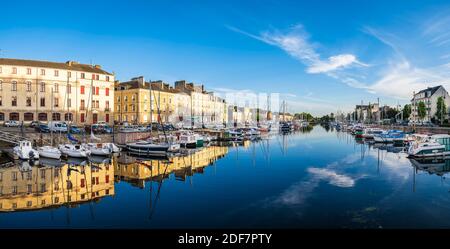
[{"x": 107, "y": 109}]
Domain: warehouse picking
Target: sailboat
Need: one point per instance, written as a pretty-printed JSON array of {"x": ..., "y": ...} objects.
[{"x": 50, "y": 151}]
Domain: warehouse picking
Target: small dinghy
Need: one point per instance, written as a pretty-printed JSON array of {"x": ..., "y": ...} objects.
[
  {"x": 25, "y": 151},
  {"x": 73, "y": 150},
  {"x": 49, "y": 152}
]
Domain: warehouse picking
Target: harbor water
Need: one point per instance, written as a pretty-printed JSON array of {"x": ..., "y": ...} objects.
[{"x": 314, "y": 178}]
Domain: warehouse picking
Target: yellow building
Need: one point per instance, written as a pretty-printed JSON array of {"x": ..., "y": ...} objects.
[
  {"x": 40, "y": 90},
  {"x": 30, "y": 188},
  {"x": 136, "y": 99},
  {"x": 130, "y": 170}
]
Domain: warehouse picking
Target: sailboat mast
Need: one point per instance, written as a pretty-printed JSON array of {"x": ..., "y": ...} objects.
[{"x": 51, "y": 130}]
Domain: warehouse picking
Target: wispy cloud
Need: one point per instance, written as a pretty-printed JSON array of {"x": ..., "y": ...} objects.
[{"x": 296, "y": 43}]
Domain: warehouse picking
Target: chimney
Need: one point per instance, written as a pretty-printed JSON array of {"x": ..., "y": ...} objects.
[
  {"x": 97, "y": 66},
  {"x": 71, "y": 63}
]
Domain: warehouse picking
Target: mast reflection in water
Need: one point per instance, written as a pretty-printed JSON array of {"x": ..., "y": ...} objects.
[{"x": 318, "y": 177}]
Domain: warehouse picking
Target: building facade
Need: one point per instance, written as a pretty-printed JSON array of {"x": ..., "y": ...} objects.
[
  {"x": 43, "y": 91},
  {"x": 429, "y": 97}
]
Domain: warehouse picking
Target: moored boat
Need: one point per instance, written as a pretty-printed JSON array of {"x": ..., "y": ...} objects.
[{"x": 25, "y": 151}]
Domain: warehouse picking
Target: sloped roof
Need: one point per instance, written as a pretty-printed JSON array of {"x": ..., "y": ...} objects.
[{"x": 56, "y": 65}]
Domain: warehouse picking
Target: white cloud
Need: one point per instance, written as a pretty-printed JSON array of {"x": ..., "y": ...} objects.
[
  {"x": 334, "y": 63},
  {"x": 295, "y": 42}
]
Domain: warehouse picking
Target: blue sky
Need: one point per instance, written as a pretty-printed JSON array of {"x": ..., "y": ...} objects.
[{"x": 321, "y": 56}]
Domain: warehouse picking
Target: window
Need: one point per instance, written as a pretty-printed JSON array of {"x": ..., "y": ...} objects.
[
  {"x": 107, "y": 117},
  {"x": 14, "y": 101},
  {"x": 69, "y": 88},
  {"x": 107, "y": 78},
  {"x": 107, "y": 91},
  {"x": 14, "y": 70},
  {"x": 0, "y": 69},
  {"x": 82, "y": 183},
  {"x": 28, "y": 101},
  {"x": 81, "y": 89},
  {"x": 43, "y": 187},
  {"x": 1, "y": 177},
  {"x": 82, "y": 105},
  {"x": 1, "y": 101},
  {"x": 42, "y": 116},
  {"x": 14, "y": 86},
  {"x": 42, "y": 86},
  {"x": 43, "y": 202},
  {"x": 29, "y": 188},
  {"x": 82, "y": 75},
  {"x": 69, "y": 74},
  {"x": 1, "y": 85},
  {"x": 133, "y": 98},
  {"x": 14, "y": 191},
  {"x": 107, "y": 104},
  {"x": 43, "y": 103},
  {"x": 118, "y": 99},
  {"x": 42, "y": 72},
  {"x": 56, "y": 73},
  {"x": 97, "y": 104},
  {"x": 125, "y": 98},
  {"x": 69, "y": 184},
  {"x": 56, "y": 200},
  {"x": 14, "y": 176},
  {"x": 97, "y": 77},
  {"x": 56, "y": 117},
  {"x": 97, "y": 91},
  {"x": 125, "y": 108},
  {"x": 42, "y": 173},
  {"x": 56, "y": 88},
  {"x": 28, "y": 116},
  {"x": 107, "y": 179},
  {"x": 55, "y": 102},
  {"x": 28, "y": 86},
  {"x": 14, "y": 116},
  {"x": 82, "y": 118},
  {"x": 69, "y": 103},
  {"x": 83, "y": 196},
  {"x": 29, "y": 176},
  {"x": 29, "y": 71}
]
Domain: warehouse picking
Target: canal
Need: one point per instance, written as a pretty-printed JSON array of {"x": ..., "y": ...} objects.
[{"x": 315, "y": 178}]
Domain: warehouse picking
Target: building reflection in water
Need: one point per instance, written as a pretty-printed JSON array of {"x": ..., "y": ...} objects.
[
  {"x": 52, "y": 184},
  {"x": 137, "y": 171}
]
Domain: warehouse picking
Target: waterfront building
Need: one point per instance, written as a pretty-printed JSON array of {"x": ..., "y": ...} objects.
[
  {"x": 31, "y": 188},
  {"x": 430, "y": 97},
  {"x": 367, "y": 113},
  {"x": 30, "y": 90},
  {"x": 205, "y": 107},
  {"x": 141, "y": 102}
]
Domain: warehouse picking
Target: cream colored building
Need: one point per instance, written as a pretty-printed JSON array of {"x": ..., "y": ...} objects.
[
  {"x": 205, "y": 107},
  {"x": 40, "y": 90}
]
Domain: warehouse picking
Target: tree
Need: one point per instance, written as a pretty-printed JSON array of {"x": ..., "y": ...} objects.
[
  {"x": 421, "y": 110},
  {"x": 391, "y": 112},
  {"x": 406, "y": 111},
  {"x": 441, "y": 109}
]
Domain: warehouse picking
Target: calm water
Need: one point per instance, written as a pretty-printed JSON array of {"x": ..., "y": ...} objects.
[{"x": 315, "y": 179}]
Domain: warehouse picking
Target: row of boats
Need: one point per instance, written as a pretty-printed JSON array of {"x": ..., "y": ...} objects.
[
  {"x": 25, "y": 151},
  {"x": 416, "y": 145}
]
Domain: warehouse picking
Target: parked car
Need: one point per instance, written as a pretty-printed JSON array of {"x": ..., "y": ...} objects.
[
  {"x": 57, "y": 126},
  {"x": 42, "y": 128},
  {"x": 12, "y": 123},
  {"x": 34, "y": 124},
  {"x": 75, "y": 129}
]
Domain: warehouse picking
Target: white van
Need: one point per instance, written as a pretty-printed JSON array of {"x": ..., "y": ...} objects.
[{"x": 57, "y": 126}]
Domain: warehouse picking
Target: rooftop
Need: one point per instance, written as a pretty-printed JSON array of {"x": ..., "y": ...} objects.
[{"x": 69, "y": 65}]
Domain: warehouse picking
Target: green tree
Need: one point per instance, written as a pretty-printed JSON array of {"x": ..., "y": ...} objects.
[
  {"x": 406, "y": 111},
  {"x": 421, "y": 110},
  {"x": 441, "y": 109},
  {"x": 391, "y": 112}
]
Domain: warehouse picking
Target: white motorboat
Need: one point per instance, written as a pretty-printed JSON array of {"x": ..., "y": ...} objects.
[
  {"x": 25, "y": 151},
  {"x": 73, "y": 150},
  {"x": 188, "y": 140},
  {"x": 98, "y": 149},
  {"x": 49, "y": 152},
  {"x": 430, "y": 146},
  {"x": 114, "y": 147},
  {"x": 150, "y": 148}
]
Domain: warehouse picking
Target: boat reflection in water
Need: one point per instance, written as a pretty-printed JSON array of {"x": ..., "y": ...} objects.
[
  {"x": 51, "y": 183},
  {"x": 437, "y": 166},
  {"x": 137, "y": 171}
]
